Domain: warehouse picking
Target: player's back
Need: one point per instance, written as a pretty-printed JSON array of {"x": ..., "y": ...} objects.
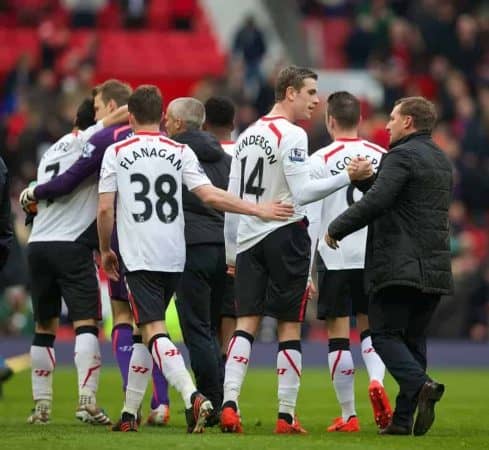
[
  {"x": 260, "y": 155},
  {"x": 150, "y": 221},
  {"x": 330, "y": 161},
  {"x": 68, "y": 217}
]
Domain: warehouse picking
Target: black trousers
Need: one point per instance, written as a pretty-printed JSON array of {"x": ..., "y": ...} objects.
[
  {"x": 199, "y": 302},
  {"x": 399, "y": 317}
]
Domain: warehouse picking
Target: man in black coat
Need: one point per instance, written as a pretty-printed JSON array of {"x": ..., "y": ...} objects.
[
  {"x": 202, "y": 288},
  {"x": 407, "y": 262}
]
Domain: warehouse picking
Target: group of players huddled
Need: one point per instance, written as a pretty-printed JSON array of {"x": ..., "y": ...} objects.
[{"x": 114, "y": 185}]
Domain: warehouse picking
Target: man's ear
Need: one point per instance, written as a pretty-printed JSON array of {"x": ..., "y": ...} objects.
[
  {"x": 331, "y": 121},
  {"x": 132, "y": 120},
  {"x": 290, "y": 93},
  {"x": 112, "y": 105},
  {"x": 408, "y": 122},
  {"x": 179, "y": 124}
]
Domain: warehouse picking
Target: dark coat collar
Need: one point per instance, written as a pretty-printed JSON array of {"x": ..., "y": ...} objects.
[{"x": 409, "y": 137}]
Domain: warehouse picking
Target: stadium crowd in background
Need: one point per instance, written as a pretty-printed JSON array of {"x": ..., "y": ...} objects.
[{"x": 438, "y": 49}]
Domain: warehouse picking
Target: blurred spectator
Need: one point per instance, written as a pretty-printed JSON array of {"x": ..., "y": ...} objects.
[
  {"x": 183, "y": 14},
  {"x": 380, "y": 16},
  {"x": 478, "y": 320},
  {"x": 53, "y": 38},
  {"x": 249, "y": 44},
  {"x": 468, "y": 50},
  {"x": 18, "y": 80},
  {"x": 436, "y": 21},
  {"x": 134, "y": 13},
  {"x": 476, "y": 138},
  {"x": 84, "y": 12},
  {"x": 360, "y": 43}
]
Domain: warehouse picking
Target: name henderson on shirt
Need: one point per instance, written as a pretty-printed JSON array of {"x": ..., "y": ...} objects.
[
  {"x": 260, "y": 141},
  {"x": 153, "y": 153}
]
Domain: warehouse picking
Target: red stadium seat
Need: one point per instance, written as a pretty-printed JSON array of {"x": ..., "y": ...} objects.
[
  {"x": 159, "y": 15},
  {"x": 109, "y": 17}
]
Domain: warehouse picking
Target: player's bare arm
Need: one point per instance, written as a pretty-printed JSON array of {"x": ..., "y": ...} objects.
[
  {"x": 224, "y": 201},
  {"x": 105, "y": 224}
]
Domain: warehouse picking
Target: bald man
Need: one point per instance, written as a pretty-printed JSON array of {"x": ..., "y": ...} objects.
[{"x": 203, "y": 284}]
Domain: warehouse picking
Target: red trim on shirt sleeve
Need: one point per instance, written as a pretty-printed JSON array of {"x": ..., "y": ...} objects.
[
  {"x": 332, "y": 152},
  {"x": 276, "y": 132},
  {"x": 172, "y": 143},
  {"x": 125, "y": 144}
]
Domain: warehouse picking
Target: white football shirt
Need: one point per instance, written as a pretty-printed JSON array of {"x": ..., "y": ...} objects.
[
  {"x": 67, "y": 217},
  {"x": 264, "y": 155},
  {"x": 147, "y": 171},
  {"x": 331, "y": 161}
]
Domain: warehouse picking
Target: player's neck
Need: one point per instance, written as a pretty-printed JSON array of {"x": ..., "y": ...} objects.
[
  {"x": 279, "y": 109},
  {"x": 222, "y": 134},
  {"x": 151, "y": 128},
  {"x": 345, "y": 135}
]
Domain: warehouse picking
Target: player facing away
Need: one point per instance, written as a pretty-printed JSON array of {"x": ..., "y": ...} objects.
[
  {"x": 147, "y": 171},
  {"x": 341, "y": 292},
  {"x": 272, "y": 258},
  {"x": 61, "y": 262},
  {"x": 127, "y": 347}
]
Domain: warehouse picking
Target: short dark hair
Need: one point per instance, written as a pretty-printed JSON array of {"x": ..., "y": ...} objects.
[
  {"x": 345, "y": 108},
  {"x": 219, "y": 112},
  {"x": 146, "y": 104},
  {"x": 85, "y": 114},
  {"x": 421, "y": 110},
  {"x": 292, "y": 76},
  {"x": 113, "y": 90}
]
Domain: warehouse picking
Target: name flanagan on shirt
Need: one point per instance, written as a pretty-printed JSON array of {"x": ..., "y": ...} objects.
[
  {"x": 126, "y": 161},
  {"x": 260, "y": 141}
]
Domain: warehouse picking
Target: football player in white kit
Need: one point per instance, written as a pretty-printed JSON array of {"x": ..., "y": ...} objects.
[
  {"x": 272, "y": 258},
  {"x": 60, "y": 256},
  {"x": 147, "y": 171},
  {"x": 341, "y": 292}
]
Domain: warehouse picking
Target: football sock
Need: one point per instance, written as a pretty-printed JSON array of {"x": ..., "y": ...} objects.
[
  {"x": 236, "y": 365},
  {"x": 289, "y": 369},
  {"x": 140, "y": 367},
  {"x": 160, "y": 385},
  {"x": 122, "y": 349},
  {"x": 342, "y": 370},
  {"x": 373, "y": 363},
  {"x": 170, "y": 362},
  {"x": 43, "y": 362},
  {"x": 87, "y": 360}
]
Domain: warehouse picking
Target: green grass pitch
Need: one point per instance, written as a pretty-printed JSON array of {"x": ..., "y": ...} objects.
[{"x": 461, "y": 417}]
